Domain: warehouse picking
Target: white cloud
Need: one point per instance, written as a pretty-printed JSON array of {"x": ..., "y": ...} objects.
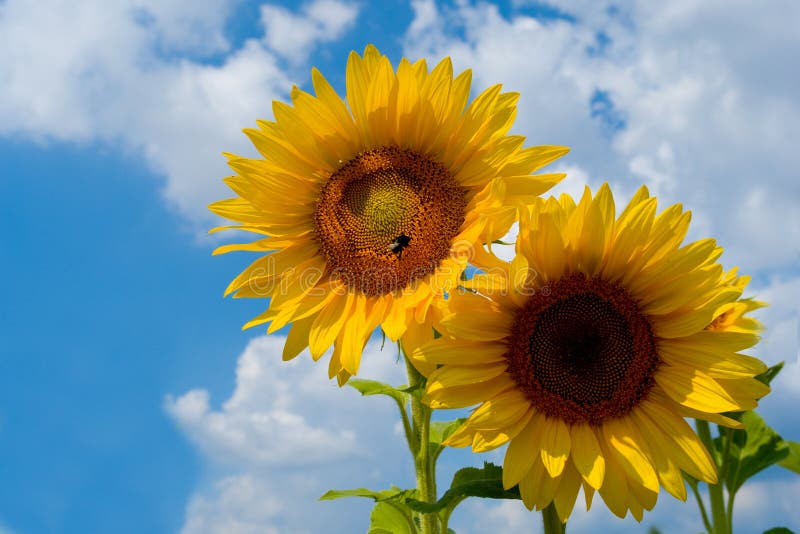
[
  {"x": 133, "y": 72},
  {"x": 764, "y": 505},
  {"x": 293, "y": 36},
  {"x": 682, "y": 101},
  {"x": 260, "y": 424},
  {"x": 240, "y": 505},
  {"x": 285, "y": 436}
]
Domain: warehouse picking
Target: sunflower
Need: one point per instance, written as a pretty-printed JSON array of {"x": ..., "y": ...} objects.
[
  {"x": 590, "y": 347},
  {"x": 368, "y": 208}
]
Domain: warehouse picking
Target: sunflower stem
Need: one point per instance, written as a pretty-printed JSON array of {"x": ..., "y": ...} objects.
[
  {"x": 702, "y": 506},
  {"x": 727, "y": 434},
  {"x": 423, "y": 461},
  {"x": 552, "y": 523},
  {"x": 715, "y": 493}
]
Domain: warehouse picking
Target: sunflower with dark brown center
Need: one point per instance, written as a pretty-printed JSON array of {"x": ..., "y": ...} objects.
[
  {"x": 589, "y": 348},
  {"x": 369, "y": 207}
]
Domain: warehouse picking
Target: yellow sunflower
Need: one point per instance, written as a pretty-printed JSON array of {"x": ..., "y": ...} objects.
[
  {"x": 369, "y": 207},
  {"x": 590, "y": 347}
]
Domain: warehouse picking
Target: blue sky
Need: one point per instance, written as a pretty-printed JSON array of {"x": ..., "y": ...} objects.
[{"x": 130, "y": 400}]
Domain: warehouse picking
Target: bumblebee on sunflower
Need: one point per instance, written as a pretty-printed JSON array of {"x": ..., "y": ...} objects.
[{"x": 404, "y": 162}]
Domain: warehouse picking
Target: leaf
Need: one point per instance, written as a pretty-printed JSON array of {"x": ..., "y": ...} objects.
[
  {"x": 792, "y": 460},
  {"x": 779, "y": 530},
  {"x": 373, "y": 387},
  {"x": 378, "y": 496},
  {"x": 752, "y": 450},
  {"x": 469, "y": 482},
  {"x": 768, "y": 375},
  {"x": 390, "y": 519}
]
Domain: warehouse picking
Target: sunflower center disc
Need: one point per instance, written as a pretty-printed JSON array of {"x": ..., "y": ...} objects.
[
  {"x": 388, "y": 217},
  {"x": 583, "y": 352}
]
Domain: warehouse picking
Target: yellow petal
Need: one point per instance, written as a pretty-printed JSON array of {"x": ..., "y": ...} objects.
[
  {"x": 695, "y": 389},
  {"x": 714, "y": 364},
  {"x": 555, "y": 445},
  {"x": 469, "y": 395},
  {"x": 328, "y": 324},
  {"x": 629, "y": 452},
  {"x": 396, "y": 321},
  {"x": 587, "y": 454},
  {"x": 500, "y": 411},
  {"x": 454, "y": 376},
  {"x": 669, "y": 474},
  {"x": 523, "y": 451},
  {"x": 567, "y": 492},
  {"x": 354, "y": 335},
  {"x": 685, "y": 447},
  {"x": 461, "y": 352},
  {"x": 614, "y": 491},
  {"x": 297, "y": 339}
]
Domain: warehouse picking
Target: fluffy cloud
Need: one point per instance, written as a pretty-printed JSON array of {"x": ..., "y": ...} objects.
[
  {"x": 294, "y": 35},
  {"x": 285, "y": 436},
  {"x": 139, "y": 72},
  {"x": 260, "y": 424}
]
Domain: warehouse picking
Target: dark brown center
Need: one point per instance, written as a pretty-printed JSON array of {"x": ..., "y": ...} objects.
[
  {"x": 388, "y": 217},
  {"x": 582, "y": 351}
]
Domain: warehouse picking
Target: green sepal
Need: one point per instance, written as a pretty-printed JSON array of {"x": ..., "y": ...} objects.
[
  {"x": 469, "y": 482},
  {"x": 779, "y": 530},
  {"x": 752, "y": 450},
  {"x": 501, "y": 242},
  {"x": 768, "y": 375},
  {"x": 440, "y": 431},
  {"x": 792, "y": 460}
]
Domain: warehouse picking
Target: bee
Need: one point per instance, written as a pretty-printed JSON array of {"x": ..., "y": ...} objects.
[{"x": 399, "y": 243}]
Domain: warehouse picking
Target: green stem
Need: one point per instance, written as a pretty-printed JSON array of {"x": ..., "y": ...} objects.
[
  {"x": 715, "y": 493},
  {"x": 552, "y": 523},
  {"x": 423, "y": 464},
  {"x": 702, "y": 507},
  {"x": 731, "y": 496},
  {"x": 724, "y": 476}
]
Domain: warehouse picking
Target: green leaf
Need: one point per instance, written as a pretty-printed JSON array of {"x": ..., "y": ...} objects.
[
  {"x": 390, "y": 519},
  {"x": 792, "y": 460},
  {"x": 752, "y": 450},
  {"x": 469, "y": 482},
  {"x": 500, "y": 242},
  {"x": 768, "y": 375},
  {"x": 378, "y": 496},
  {"x": 373, "y": 387},
  {"x": 779, "y": 530}
]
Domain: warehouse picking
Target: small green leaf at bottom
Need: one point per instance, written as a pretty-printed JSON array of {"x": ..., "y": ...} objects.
[{"x": 388, "y": 519}]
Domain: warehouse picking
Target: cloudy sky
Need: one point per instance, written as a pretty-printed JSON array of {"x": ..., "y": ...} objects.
[{"x": 130, "y": 400}]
